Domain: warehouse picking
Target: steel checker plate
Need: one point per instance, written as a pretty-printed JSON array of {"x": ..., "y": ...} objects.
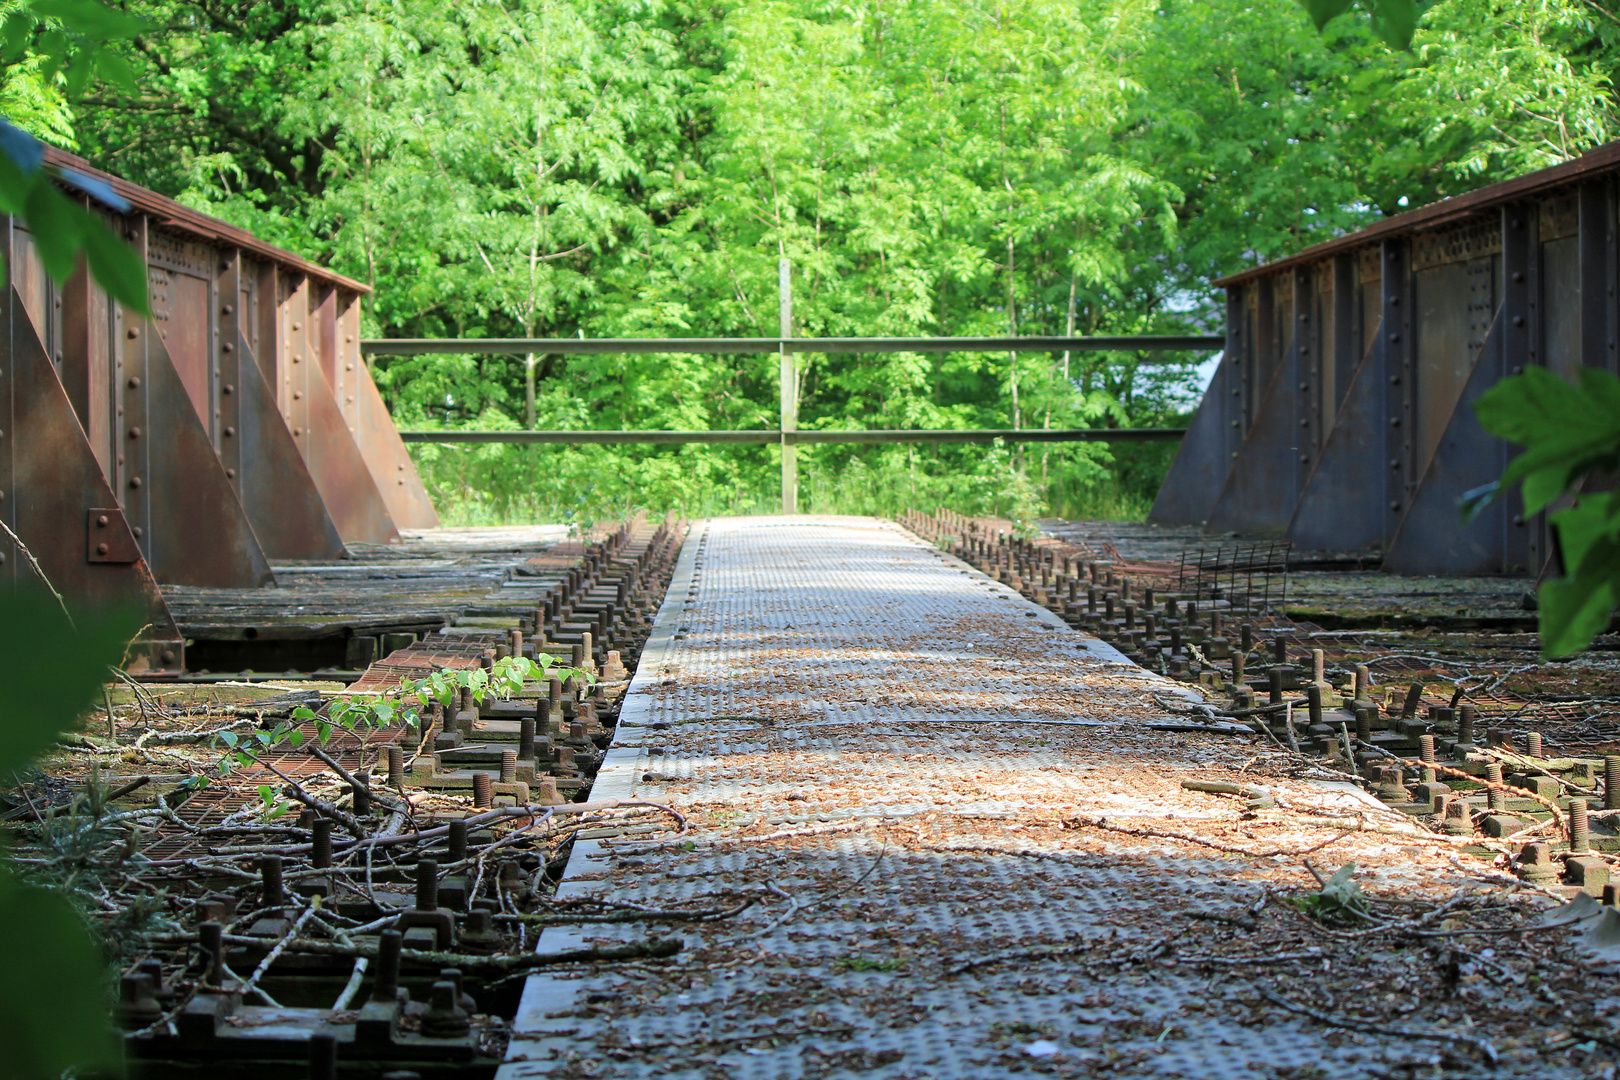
[{"x": 848, "y": 716}]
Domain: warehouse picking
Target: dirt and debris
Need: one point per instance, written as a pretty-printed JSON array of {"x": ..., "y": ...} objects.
[{"x": 972, "y": 855}]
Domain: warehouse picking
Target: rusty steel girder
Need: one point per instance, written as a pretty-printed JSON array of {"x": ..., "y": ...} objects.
[
  {"x": 1340, "y": 416},
  {"x": 233, "y": 426}
]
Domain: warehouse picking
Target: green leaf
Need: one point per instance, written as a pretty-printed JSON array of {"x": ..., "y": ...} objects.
[
  {"x": 303, "y": 712},
  {"x": 296, "y": 737},
  {"x": 323, "y": 731},
  {"x": 1565, "y": 430},
  {"x": 228, "y": 738},
  {"x": 87, "y": 17},
  {"x": 115, "y": 266},
  {"x": 280, "y": 811},
  {"x": 16, "y": 31},
  {"x": 267, "y": 794},
  {"x": 58, "y": 228},
  {"x": 1396, "y": 21},
  {"x": 53, "y": 47},
  {"x": 114, "y": 70},
  {"x": 78, "y": 73},
  {"x": 62, "y": 666},
  {"x": 1575, "y": 608},
  {"x": 57, "y": 1022},
  {"x": 1475, "y": 500},
  {"x": 1324, "y": 11}
]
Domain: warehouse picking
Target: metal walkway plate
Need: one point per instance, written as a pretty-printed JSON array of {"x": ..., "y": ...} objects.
[{"x": 903, "y": 762}]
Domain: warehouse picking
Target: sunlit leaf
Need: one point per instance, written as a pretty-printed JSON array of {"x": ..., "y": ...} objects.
[{"x": 116, "y": 266}]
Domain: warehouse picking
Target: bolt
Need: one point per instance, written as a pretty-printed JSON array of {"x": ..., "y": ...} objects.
[
  {"x": 1246, "y": 635},
  {"x": 211, "y": 939},
  {"x": 445, "y": 1018},
  {"x": 427, "y": 885},
  {"x": 1426, "y": 749},
  {"x": 509, "y": 760},
  {"x": 1363, "y": 683},
  {"x": 1465, "y": 727},
  {"x": 1579, "y": 831},
  {"x": 1497, "y": 798},
  {"x": 516, "y": 642},
  {"x": 1237, "y": 669},
  {"x": 396, "y": 766},
  {"x": 322, "y": 1056},
  {"x": 320, "y": 857},
  {"x": 271, "y": 890},
  {"x": 386, "y": 986},
  {"x": 1611, "y": 782},
  {"x": 1414, "y": 698},
  {"x": 1535, "y": 864},
  {"x": 457, "y": 841},
  {"x": 1364, "y": 715},
  {"x": 1274, "y": 685},
  {"x": 362, "y": 797},
  {"x": 137, "y": 998},
  {"x": 525, "y": 749},
  {"x": 1533, "y": 744},
  {"x": 483, "y": 790},
  {"x": 1313, "y": 701},
  {"x": 1457, "y": 821}
]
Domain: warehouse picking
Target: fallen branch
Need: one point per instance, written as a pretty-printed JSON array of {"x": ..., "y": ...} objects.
[
  {"x": 1160, "y": 834},
  {"x": 1482, "y": 1045}
]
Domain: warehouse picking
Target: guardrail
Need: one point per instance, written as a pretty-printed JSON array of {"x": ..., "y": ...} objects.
[
  {"x": 788, "y": 436},
  {"x": 581, "y": 346},
  {"x": 791, "y": 438}
]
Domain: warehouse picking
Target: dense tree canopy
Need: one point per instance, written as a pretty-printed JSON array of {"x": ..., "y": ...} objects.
[{"x": 637, "y": 167}]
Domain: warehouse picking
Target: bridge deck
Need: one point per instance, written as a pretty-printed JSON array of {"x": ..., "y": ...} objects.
[{"x": 911, "y": 770}]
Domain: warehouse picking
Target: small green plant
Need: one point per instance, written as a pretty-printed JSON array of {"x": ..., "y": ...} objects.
[
  {"x": 399, "y": 704},
  {"x": 867, "y": 963},
  {"x": 1340, "y": 898}
]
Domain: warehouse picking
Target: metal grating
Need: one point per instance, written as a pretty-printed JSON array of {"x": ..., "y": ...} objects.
[{"x": 861, "y": 724}]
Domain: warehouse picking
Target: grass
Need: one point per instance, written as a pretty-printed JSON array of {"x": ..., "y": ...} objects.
[{"x": 511, "y": 485}]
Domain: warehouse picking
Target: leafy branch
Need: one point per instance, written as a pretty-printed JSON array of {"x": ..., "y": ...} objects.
[
  {"x": 399, "y": 704},
  {"x": 67, "y": 38}
]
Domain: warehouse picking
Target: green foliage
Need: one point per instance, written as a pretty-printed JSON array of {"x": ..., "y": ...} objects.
[
  {"x": 399, "y": 704},
  {"x": 56, "y": 670},
  {"x": 1569, "y": 433},
  {"x": 1340, "y": 899},
  {"x": 49, "y": 52},
  {"x": 1393, "y": 20},
  {"x": 625, "y": 168},
  {"x": 62, "y": 666},
  {"x": 58, "y": 1022}
]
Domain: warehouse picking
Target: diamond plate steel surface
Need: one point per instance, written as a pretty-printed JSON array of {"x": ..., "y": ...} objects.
[{"x": 894, "y": 758}]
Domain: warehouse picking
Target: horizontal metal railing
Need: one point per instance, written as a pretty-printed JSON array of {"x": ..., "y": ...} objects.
[
  {"x": 788, "y": 437},
  {"x": 575, "y": 346},
  {"x": 978, "y": 435}
]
